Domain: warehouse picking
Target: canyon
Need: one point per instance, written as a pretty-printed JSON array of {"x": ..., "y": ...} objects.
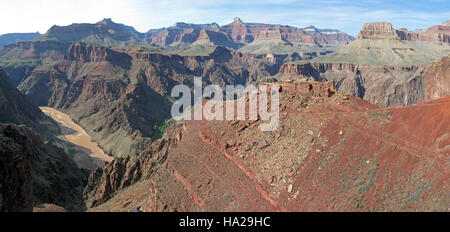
[
  {"x": 85, "y": 122},
  {"x": 34, "y": 168},
  {"x": 89, "y": 155}
]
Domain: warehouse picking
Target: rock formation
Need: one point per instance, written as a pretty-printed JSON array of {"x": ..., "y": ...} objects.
[
  {"x": 34, "y": 172},
  {"x": 378, "y": 84},
  {"x": 242, "y": 35},
  {"x": 378, "y": 30},
  {"x": 16, "y": 191},
  {"x": 437, "y": 79},
  {"x": 381, "y": 66},
  {"x": 105, "y": 32},
  {"x": 12, "y": 38}
]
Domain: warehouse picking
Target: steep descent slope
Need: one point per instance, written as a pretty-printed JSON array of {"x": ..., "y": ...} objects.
[
  {"x": 34, "y": 172},
  {"x": 330, "y": 153},
  {"x": 30, "y": 162}
]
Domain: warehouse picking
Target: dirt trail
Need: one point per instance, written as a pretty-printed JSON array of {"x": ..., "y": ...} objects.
[{"x": 73, "y": 133}]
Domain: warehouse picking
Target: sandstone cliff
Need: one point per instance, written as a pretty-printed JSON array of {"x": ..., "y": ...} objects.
[
  {"x": 378, "y": 30},
  {"x": 437, "y": 79}
]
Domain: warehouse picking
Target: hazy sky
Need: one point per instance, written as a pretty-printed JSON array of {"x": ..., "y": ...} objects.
[{"x": 40, "y": 15}]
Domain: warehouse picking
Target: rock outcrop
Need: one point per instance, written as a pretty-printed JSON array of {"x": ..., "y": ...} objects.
[
  {"x": 383, "y": 65},
  {"x": 20, "y": 59},
  {"x": 105, "y": 31},
  {"x": 93, "y": 53},
  {"x": 438, "y": 33},
  {"x": 378, "y": 30},
  {"x": 437, "y": 79},
  {"x": 16, "y": 187},
  {"x": 123, "y": 172},
  {"x": 385, "y": 30},
  {"x": 381, "y": 85},
  {"x": 34, "y": 172}
]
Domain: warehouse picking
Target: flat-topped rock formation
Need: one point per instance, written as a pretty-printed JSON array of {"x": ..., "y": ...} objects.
[{"x": 378, "y": 30}]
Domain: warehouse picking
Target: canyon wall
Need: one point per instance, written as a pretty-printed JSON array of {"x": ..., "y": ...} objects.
[{"x": 381, "y": 85}]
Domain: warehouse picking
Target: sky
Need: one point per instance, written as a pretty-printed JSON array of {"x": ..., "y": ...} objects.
[{"x": 347, "y": 16}]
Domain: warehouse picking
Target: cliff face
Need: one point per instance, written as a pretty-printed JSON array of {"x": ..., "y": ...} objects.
[
  {"x": 94, "y": 53},
  {"x": 246, "y": 36},
  {"x": 383, "y": 65},
  {"x": 30, "y": 162},
  {"x": 379, "y": 30},
  {"x": 20, "y": 59},
  {"x": 16, "y": 191},
  {"x": 248, "y": 32},
  {"x": 34, "y": 172},
  {"x": 437, "y": 79},
  {"x": 330, "y": 153},
  {"x": 12, "y": 38},
  {"x": 384, "y": 30},
  {"x": 439, "y": 33},
  {"x": 381, "y": 85}
]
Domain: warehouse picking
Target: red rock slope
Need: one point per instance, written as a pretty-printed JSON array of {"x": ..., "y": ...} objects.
[{"x": 330, "y": 153}]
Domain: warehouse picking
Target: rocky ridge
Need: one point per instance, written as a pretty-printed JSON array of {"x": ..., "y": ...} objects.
[{"x": 347, "y": 155}]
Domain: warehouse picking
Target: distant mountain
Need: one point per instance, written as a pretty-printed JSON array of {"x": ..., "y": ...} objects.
[
  {"x": 12, "y": 38},
  {"x": 255, "y": 38},
  {"x": 383, "y": 65},
  {"x": 19, "y": 59},
  {"x": 105, "y": 32},
  {"x": 381, "y": 44}
]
